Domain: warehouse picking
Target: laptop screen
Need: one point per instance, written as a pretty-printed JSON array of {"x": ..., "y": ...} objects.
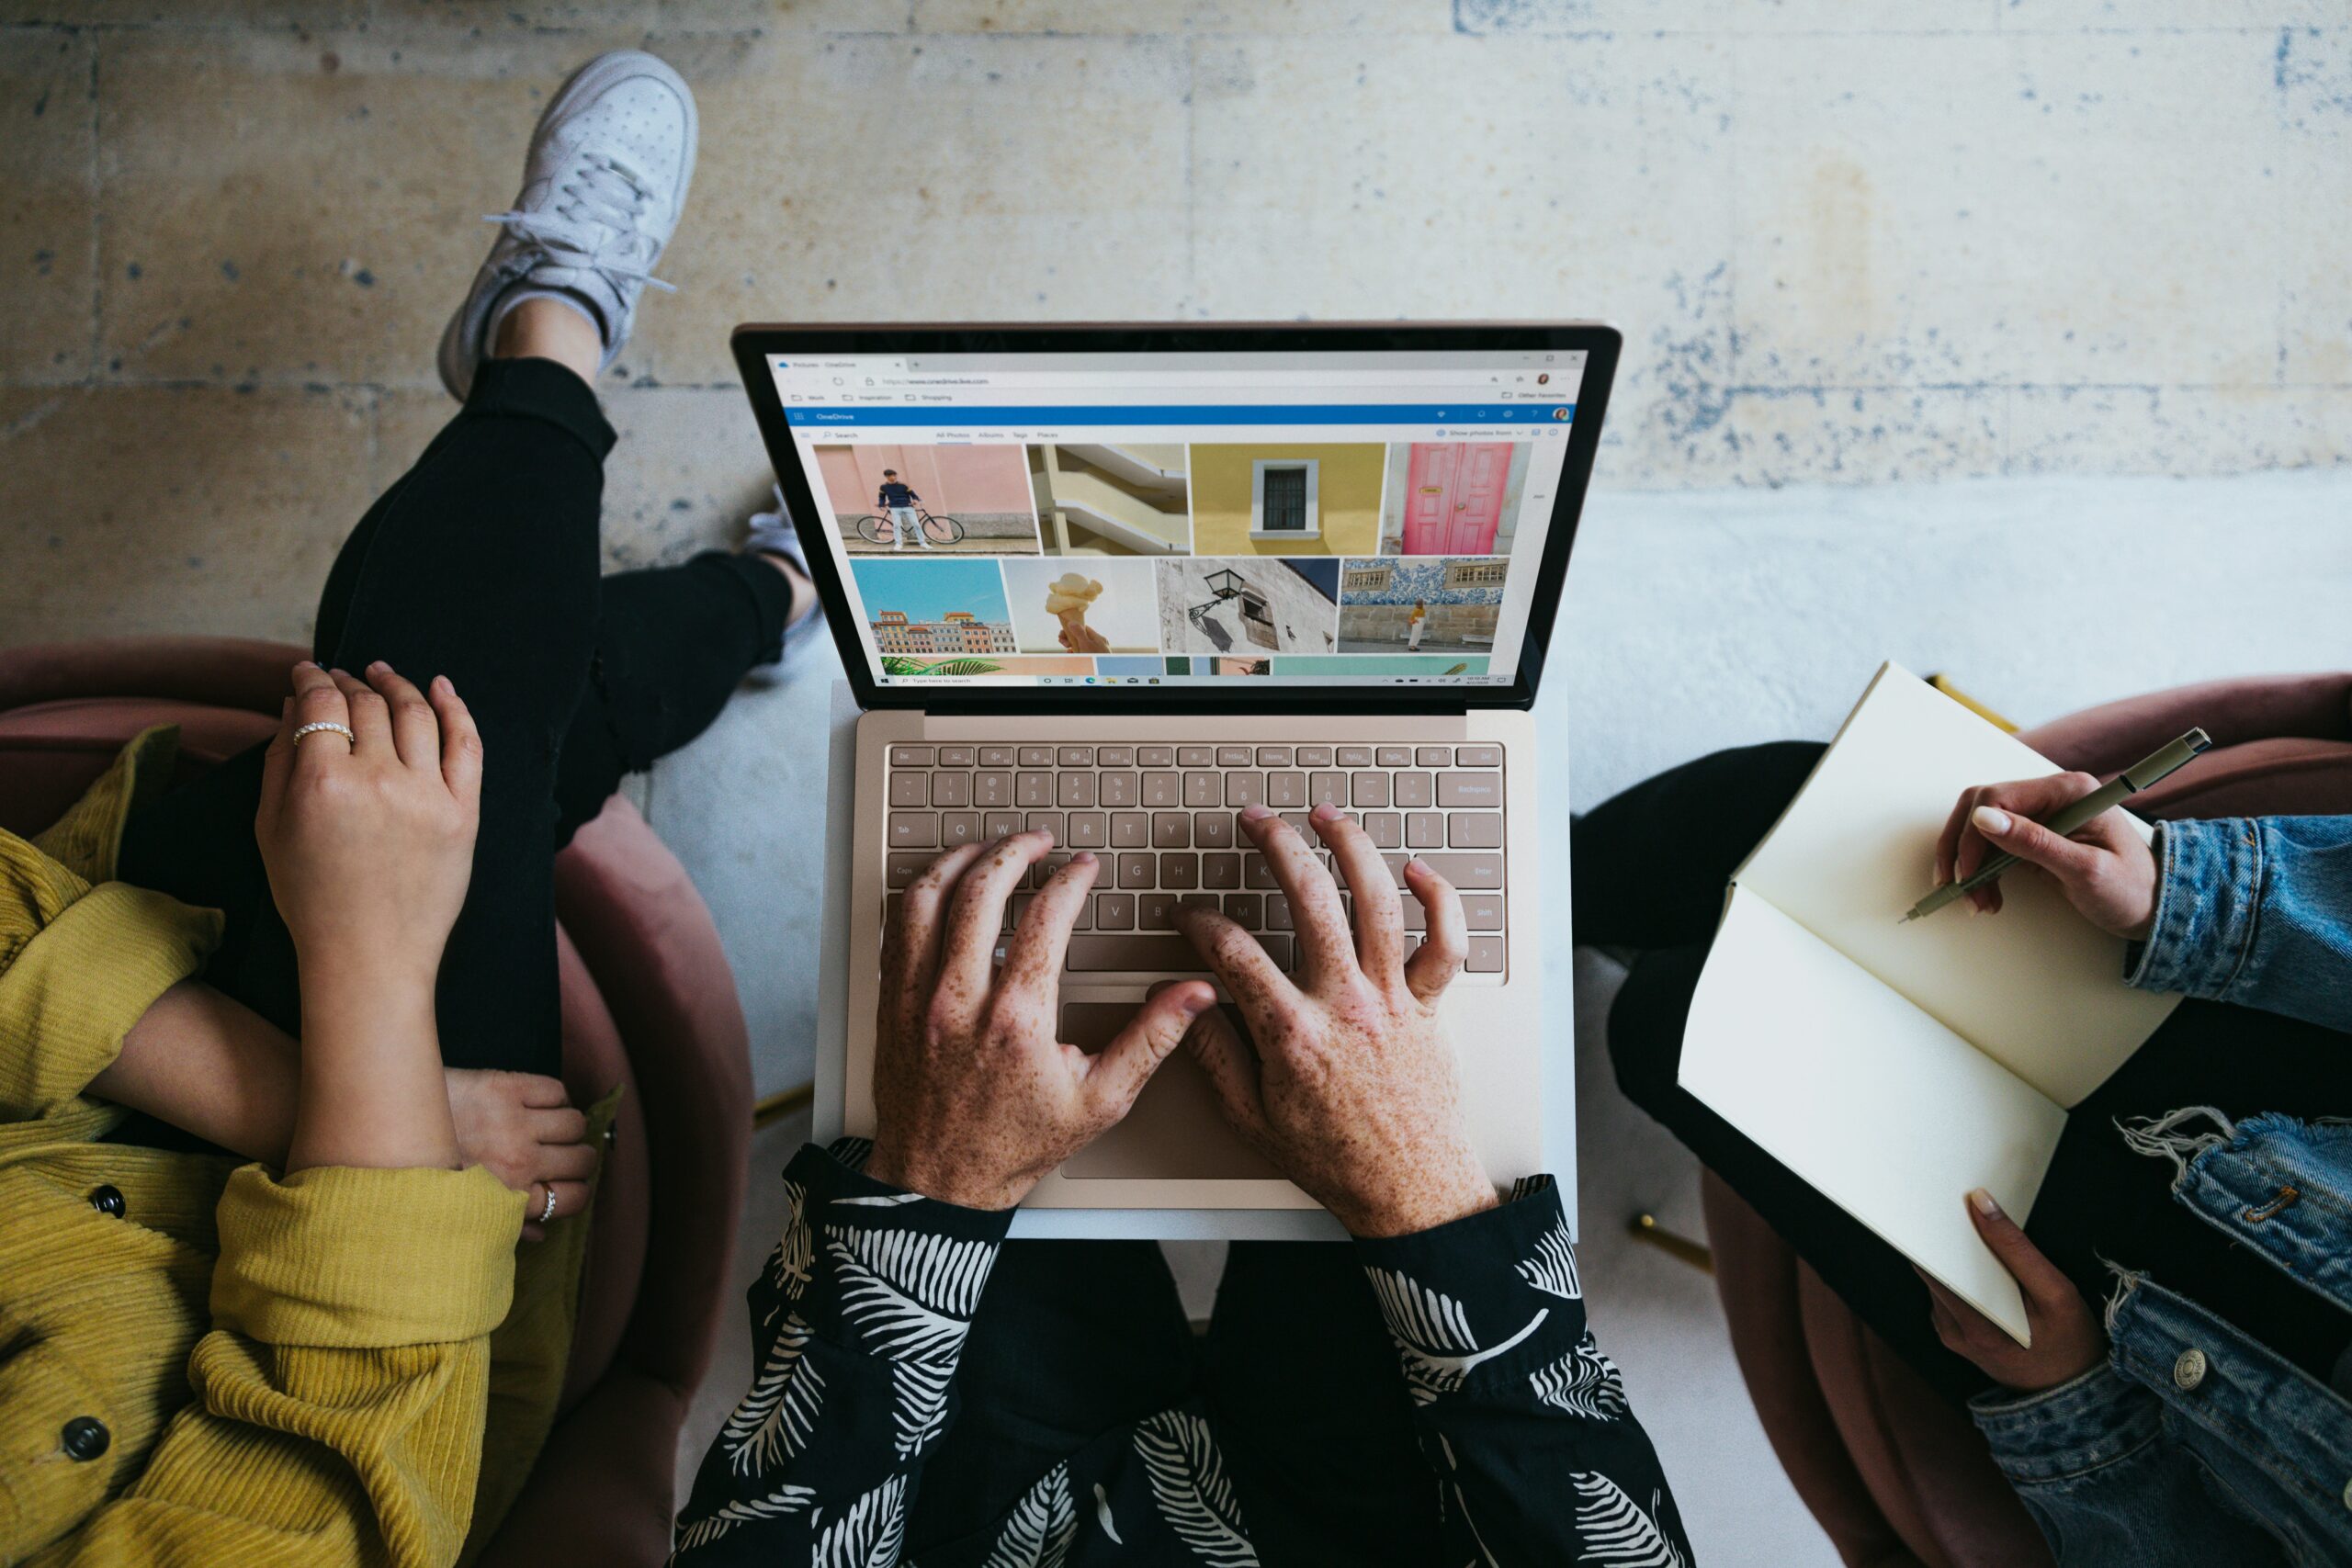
[{"x": 1024, "y": 520}]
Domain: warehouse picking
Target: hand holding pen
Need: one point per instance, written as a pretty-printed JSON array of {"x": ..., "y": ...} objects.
[{"x": 2065, "y": 823}]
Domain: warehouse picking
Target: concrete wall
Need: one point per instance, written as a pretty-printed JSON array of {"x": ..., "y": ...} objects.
[
  {"x": 1846, "y": 242},
  {"x": 1347, "y": 498}
]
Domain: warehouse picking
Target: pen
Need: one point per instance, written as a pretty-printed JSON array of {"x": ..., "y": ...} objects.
[{"x": 2128, "y": 783}]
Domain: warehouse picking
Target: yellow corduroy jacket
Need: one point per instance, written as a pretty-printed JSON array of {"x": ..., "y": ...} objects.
[{"x": 208, "y": 1363}]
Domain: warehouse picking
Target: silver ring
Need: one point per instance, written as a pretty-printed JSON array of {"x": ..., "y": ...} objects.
[
  {"x": 341, "y": 729},
  {"x": 548, "y": 1212}
]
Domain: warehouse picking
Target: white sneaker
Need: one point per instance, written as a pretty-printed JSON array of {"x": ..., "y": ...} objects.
[{"x": 603, "y": 186}]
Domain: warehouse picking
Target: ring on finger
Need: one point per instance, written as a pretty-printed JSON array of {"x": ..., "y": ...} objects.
[
  {"x": 547, "y": 1209},
  {"x": 328, "y": 724}
]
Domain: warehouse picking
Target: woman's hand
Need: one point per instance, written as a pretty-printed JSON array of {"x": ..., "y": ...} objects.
[
  {"x": 369, "y": 843},
  {"x": 2067, "y": 1339},
  {"x": 523, "y": 1128},
  {"x": 2107, "y": 872},
  {"x": 975, "y": 1097}
]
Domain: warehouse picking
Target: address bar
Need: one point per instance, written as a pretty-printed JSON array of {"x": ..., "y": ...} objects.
[{"x": 1046, "y": 379}]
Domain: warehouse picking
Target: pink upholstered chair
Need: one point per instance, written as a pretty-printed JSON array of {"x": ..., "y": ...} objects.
[
  {"x": 1897, "y": 1478},
  {"x": 648, "y": 1003}
]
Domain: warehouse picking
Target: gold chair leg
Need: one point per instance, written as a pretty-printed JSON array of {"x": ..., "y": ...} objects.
[
  {"x": 781, "y": 1104},
  {"x": 1643, "y": 1227}
]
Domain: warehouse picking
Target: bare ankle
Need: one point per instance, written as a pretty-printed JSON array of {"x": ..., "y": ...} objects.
[{"x": 550, "y": 329}]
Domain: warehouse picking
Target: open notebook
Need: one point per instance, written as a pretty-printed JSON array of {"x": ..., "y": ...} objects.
[{"x": 1896, "y": 1066}]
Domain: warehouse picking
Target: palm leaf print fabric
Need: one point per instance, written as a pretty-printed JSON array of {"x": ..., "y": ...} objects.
[{"x": 861, "y": 1318}]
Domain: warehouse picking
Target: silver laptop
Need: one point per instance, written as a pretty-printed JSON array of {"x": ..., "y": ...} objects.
[{"x": 1122, "y": 582}]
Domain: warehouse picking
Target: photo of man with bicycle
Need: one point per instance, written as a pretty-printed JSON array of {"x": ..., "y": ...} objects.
[{"x": 892, "y": 498}]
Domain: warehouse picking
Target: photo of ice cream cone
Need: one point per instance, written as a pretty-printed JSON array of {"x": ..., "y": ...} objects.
[{"x": 1068, "y": 598}]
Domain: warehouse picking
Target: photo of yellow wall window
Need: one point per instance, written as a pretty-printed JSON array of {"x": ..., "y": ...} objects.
[{"x": 1287, "y": 499}]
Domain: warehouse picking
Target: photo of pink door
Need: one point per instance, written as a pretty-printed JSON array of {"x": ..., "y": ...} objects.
[{"x": 1453, "y": 496}]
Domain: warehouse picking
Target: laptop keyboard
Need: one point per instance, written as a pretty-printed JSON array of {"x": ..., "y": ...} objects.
[{"x": 1161, "y": 819}]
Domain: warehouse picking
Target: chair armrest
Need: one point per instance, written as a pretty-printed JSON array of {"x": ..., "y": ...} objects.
[
  {"x": 2113, "y": 736},
  {"x": 224, "y": 672}
]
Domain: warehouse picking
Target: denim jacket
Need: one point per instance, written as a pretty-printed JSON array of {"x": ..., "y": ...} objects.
[{"x": 2194, "y": 1443}]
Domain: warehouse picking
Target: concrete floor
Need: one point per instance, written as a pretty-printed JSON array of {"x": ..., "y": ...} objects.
[{"x": 1936, "y": 270}]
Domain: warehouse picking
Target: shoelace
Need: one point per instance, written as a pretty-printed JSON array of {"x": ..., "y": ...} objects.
[{"x": 602, "y": 192}]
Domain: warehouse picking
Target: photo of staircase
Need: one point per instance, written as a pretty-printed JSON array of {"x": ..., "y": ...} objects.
[{"x": 1095, "y": 498}]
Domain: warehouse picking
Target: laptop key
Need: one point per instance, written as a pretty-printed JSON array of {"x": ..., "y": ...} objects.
[
  {"x": 991, "y": 789},
  {"x": 1121, "y": 789},
  {"x": 1475, "y": 830},
  {"x": 959, "y": 827},
  {"x": 1138, "y": 869},
  {"x": 1482, "y": 911},
  {"x": 1256, "y": 873},
  {"x": 1196, "y": 756},
  {"x": 1313, "y": 757},
  {"x": 1114, "y": 756},
  {"x": 1045, "y": 821},
  {"x": 1385, "y": 828},
  {"x": 1032, "y": 789},
  {"x": 910, "y": 756},
  {"x": 1247, "y": 910},
  {"x": 1086, "y": 830},
  {"x": 1114, "y": 911},
  {"x": 1097, "y": 951},
  {"x": 1277, "y": 912},
  {"x": 1393, "y": 756},
  {"x": 1155, "y": 756},
  {"x": 951, "y": 789},
  {"x": 1424, "y": 830},
  {"x": 1433, "y": 756},
  {"x": 1172, "y": 830},
  {"x": 904, "y": 867},
  {"x": 1221, "y": 870},
  {"x": 1183, "y": 870},
  {"x": 1130, "y": 830},
  {"x": 1285, "y": 789},
  {"x": 996, "y": 756},
  {"x": 1234, "y": 756},
  {"x": 1213, "y": 831},
  {"x": 1477, "y": 756},
  {"x": 1371, "y": 789},
  {"x": 1077, "y": 756},
  {"x": 1078, "y": 789},
  {"x": 1203, "y": 789},
  {"x": 1163, "y": 789},
  {"x": 1274, "y": 756},
  {"x": 1000, "y": 824},
  {"x": 1485, "y": 956},
  {"x": 914, "y": 831},
  {"x": 1480, "y": 873},
  {"x": 1470, "y": 789},
  {"x": 1327, "y": 789},
  {"x": 1415, "y": 789},
  {"x": 1036, "y": 756},
  {"x": 1354, "y": 756},
  {"x": 911, "y": 789},
  {"x": 1245, "y": 789},
  {"x": 955, "y": 756},
  {"x": 1156, "y": 911}
]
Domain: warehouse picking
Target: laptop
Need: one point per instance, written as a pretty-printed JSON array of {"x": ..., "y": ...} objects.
[{"x": 1121, "y": 581}]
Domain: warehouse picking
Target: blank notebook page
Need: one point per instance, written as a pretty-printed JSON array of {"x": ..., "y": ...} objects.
[
  {"x": 1888, "y": 1113},
  {"x": 2036, "y": 987}
]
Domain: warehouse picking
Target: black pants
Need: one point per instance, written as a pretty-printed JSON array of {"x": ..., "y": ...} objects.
[
  {"x": 1077, "y": 1341},
  {"x": 480, "y": 563},
  {"x": 1650, "y": 869}
]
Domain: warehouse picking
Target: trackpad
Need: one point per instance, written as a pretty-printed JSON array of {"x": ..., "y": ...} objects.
[{"x": 1175, "y": 1130}]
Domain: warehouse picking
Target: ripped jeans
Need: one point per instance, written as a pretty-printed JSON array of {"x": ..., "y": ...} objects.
[
  {"x": 483, "y": 563},
  {"x": 2195, "y": 1442}
]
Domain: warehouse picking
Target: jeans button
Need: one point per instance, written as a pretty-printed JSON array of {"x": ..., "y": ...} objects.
[
  {"x": 84, "y": 1438},
  {"x": 2189, "y": 1369},
  {"x": 108, "y": 1201}
]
